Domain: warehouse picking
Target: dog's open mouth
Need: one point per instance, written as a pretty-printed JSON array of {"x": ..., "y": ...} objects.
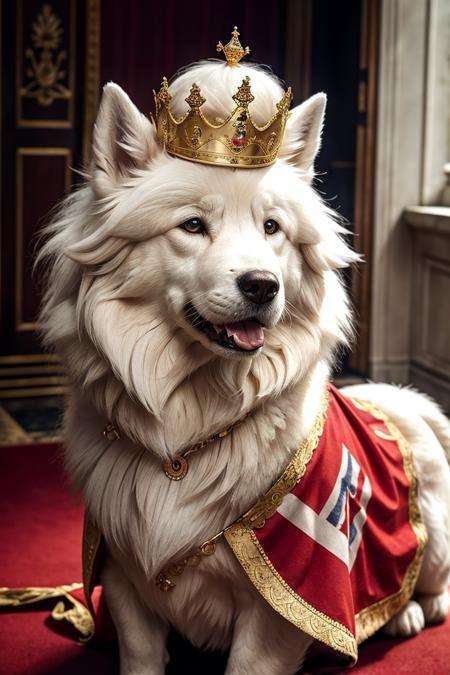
[{"x": 244, "y": 336}]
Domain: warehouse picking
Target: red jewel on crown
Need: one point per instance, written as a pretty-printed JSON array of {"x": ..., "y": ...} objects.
[{"x": 238, "y": 139}]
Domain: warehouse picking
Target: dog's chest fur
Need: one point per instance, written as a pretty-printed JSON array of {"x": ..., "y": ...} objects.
[{"x": 150, "y": 522}]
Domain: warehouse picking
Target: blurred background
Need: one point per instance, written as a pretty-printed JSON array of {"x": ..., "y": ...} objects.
[{"x": 384, "y": 67}]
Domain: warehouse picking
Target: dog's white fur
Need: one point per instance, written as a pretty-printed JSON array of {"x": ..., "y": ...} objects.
[{"x": 121, "y": 273}]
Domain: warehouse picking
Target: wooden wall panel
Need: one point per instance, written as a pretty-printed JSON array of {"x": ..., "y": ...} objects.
[
  {"x": 43, "y": 57},
  {"x": 42, "y": 179},
  {"x": 50, "y": 92},
  {"x": 365, "y": 180},
  {"x": 430, "y": 326}
]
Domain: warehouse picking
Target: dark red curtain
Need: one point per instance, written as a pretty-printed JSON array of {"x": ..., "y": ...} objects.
[{"x": 142, "y": 41}]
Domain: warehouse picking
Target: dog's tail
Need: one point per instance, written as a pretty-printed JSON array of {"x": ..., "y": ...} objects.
[
  {"x": 411, "y": 400},
  {"x": 426, "y": 408},
  {"x": 437, "y": 421}
]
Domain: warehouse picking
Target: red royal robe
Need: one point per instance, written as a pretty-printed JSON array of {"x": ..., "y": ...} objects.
[
  {"x": 335, "y": 546},
  {"x": 341, "y": 552}
]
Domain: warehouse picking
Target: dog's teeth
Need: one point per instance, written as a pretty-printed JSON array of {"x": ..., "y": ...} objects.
[{"x": 217, "y": 328}]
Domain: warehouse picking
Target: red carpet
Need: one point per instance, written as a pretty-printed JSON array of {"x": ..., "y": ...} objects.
[{"x": 40, "y": 534}]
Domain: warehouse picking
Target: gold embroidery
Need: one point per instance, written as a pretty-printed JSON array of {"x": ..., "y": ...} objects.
[
  {"x": 77, "y": 614},
  {"x": 260, "y": 570},
  {"x": 92, "y": 541},
  {"x": 283, "y": 598},
  {"x": 383, "y": 435},
  {"x": 267, "y": 505},
  {"x": 373, "y": 617}
]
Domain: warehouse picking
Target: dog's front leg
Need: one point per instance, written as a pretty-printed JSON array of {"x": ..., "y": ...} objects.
[
  {"x": 266, "y": 644},
  {"x": 141, "y": 634}
]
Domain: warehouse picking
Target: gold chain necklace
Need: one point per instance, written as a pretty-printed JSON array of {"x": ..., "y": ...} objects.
[
  {"x": 255, "y": 517},
  {"x": 176, "y": 467}
]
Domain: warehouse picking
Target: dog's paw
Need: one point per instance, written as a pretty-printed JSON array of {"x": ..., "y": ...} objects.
[
  {"x": 408, "y": 622},
  {"x": 435, "y": 607}
]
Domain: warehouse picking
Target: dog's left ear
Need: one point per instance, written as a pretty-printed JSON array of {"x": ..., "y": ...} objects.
[{"x": 302, "y": 137}]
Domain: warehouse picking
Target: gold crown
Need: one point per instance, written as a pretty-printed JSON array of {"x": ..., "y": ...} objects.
[{"x": 237, "y": 142}]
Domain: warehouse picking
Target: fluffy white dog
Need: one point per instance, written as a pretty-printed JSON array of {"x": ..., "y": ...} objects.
[{"x": 182, "y": 297}]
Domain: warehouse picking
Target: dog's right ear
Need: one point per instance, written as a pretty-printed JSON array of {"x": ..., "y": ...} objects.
[
  {"x": 123, "y": 139},
  {"x": 303, "y": 133}
]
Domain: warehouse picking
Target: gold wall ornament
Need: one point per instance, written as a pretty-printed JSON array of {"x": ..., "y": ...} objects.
[
  {"x": 45, "y": 61},
  {"x": 233, "y": 50}
]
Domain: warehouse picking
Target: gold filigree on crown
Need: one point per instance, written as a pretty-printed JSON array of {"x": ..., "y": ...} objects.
[
  {"x": 233, "y": 50},
  {"x": 237, "y": 142}
]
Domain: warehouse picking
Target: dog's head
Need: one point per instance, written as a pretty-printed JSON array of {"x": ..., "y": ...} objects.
[{"x": 167, "y": 265}]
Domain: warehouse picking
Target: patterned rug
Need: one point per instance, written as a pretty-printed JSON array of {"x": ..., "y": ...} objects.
[{"x": 31, "y": 420}]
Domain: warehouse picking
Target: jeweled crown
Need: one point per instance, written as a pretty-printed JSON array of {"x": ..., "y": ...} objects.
[{"x": 237, "y": 142}]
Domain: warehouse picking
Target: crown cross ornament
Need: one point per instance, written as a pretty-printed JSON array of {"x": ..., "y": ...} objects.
[
  {"x": 237, "y": 141},
  {"x": 233, "y": 51}
]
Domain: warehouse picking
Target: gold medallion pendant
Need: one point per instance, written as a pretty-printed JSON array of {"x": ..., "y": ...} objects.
[{"x": 176, "y": 468}]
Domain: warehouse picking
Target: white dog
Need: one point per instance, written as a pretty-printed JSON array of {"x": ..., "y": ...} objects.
[{"x": 183, "y": 297}]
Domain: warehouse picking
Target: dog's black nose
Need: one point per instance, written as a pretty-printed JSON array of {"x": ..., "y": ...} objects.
[{"x": 258, "y": 286}]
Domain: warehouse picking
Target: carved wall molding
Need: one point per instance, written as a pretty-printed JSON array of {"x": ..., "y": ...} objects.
[
  {"x": 45, "y": 70},
  {"x": 92, "y": 72},
  {"x": 45, "y": 64}
]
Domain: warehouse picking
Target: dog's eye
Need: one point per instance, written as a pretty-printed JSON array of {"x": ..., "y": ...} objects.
[
  {"x": 194, "y": 226},
  {"x": 271, "y": 226}
]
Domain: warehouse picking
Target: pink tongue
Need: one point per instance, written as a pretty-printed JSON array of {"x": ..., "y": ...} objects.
[{"x": 246, "y": 334}]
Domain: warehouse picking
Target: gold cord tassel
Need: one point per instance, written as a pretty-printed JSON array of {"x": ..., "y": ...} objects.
[{"x": 77, "y": 614}]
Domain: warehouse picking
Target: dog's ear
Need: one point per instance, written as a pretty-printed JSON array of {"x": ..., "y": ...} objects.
[
  {"x": 123, "y": 138},
  {"x": 303, "y": 133}
]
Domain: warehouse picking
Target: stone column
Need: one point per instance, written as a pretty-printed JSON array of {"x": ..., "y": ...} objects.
[{"x": 411, "y": 58}]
